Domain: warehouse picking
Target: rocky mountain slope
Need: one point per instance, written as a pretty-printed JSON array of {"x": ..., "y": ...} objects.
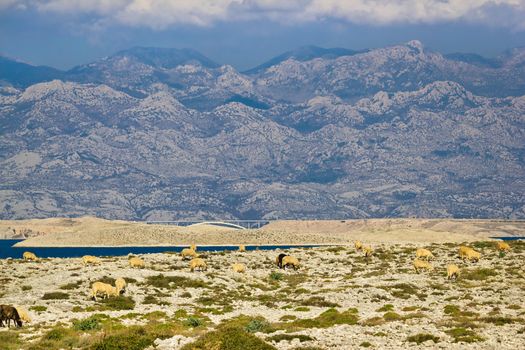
[{"x": 165, "y": 134}]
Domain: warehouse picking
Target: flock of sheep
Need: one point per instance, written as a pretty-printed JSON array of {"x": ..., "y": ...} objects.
[{"x": 421, "y": 262}]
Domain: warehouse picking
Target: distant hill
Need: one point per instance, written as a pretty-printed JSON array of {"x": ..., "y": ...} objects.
[{"x": 164, "y": 134}]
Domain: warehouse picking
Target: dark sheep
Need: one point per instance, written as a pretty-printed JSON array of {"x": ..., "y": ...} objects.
[
  {"x": 8, "y": 313},
  {"x": 279, "y": 260}
]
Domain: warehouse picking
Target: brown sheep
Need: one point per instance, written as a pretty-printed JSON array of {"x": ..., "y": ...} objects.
[
  {"x": 452, "y": 271},
  {"x": 503, "y": 246},
  {"x": 238, "y": 267},
  {"x": 279, "y": 260},
  {"x": 358, "y": 245},
  {"x": 198, "y": 263},
  {"x": 8, "y": 313},
  {"x": 422, "y": 253},
  {"x": 188, "y": 252},
  {"x": 29, "y": 256},
  {"x": 422, "y": 265},
  {"x": 290, "y": 261},
  {"x": 136, "y": 262}
]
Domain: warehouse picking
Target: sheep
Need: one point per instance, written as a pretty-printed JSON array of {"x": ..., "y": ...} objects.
[
  {"x": 188, "y": 252},
  {"x": 136, "y": 262},
  {"x": 473, "y": 255},
  {"x": 8, "y": 313},
  {"x": 422, "y": 264},
  {"x": 242, "y": 248},
  {"x": 368, "y": 251},
  {"x": 105, "y": 289},
  {"x": 503, "y": 246},
  {"x": 358, "y": 245},
  {"x": 193, "y": 247},
  {"x": 290, "y": 261},
  {"x": 198, "y": 263},
  {"x": 462, "y": 252},
  {"x": 29, "y": 256},
  {"x": 279, "y": 260},
  {"x": 120, "y": 284},
  {"x": 24, "y": 315},
  {"x": 452, "y": 271},
  {"x": 238, "y": 267},
  {"x": 90, "y": 259},
  {"x": 424, "y": 253}
]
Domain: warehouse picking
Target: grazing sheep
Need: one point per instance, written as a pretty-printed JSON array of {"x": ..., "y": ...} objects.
[
  {"x": 24, "y": 315},
  {"x": 368, "y": 251},
  {"x": 198, "y": 263},
  {"x": 473, "y": 255},
  {"x": 8, "y": 313},
  {"x": 105, "y": 289},
  {"x": 188, "y": 252},
  {"x": 90, "y": 259},
  {"x": 452, "y": 271},
  {"x": 503, "y": 246},
  {"x": 238, "y": 267},
  {"x": 358, "y": 245},
  {"x": 120, "y": 284},
  {"x": 290, "y": 261},
  {"x": 463, "y": 251},
  {"x": 422, "y": 265},
  {"x": 422, "y": 253},
  {"x": 279, "y": 260},
  {"x": 136, "y": 262},
  {"x": 29, "y": 256},
  {"x": 242, "y": 248}
]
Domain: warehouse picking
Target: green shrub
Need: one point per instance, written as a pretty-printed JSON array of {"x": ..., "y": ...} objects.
[
  {"x": 57, "y": 333},
  {"x": 38, "y": 308},
  {"x": 193, "y": 322},
  {"x": 55, "y": 296},
  {"x": 289, "y": 337},
  {"x": 9, "y": 340},
  {"x": 391, "y": 316},
  {"x": 257, "y": 325},
  {"x": 133, "y": 338},
  {"x": 422, "y": 337},
  {"x": 461, "y": 334},
  {"x": 87, "y": 324},
  {"x": 228, "y": 338},
  {"x": 118, "y": 303},
  {"x": 170, "y": 282},
  {"x": 479, "y": 274},
  {"x": 384, "y": 308},
  {"x": 318, "y": 301},
  {"x": 276, "y": 276}
]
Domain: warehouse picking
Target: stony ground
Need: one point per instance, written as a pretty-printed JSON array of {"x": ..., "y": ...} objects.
[{"x": 336, "y": 300}]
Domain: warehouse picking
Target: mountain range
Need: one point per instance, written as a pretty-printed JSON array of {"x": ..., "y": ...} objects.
[{"x": 161, "y": 134}]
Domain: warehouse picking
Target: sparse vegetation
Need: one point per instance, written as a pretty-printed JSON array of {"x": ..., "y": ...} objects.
[
  {"x": 55, "y": 296},
  {"x": 422, "y": 337}
]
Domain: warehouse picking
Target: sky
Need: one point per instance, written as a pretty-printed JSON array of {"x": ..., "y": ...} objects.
[{"x": 245, "y": 33}]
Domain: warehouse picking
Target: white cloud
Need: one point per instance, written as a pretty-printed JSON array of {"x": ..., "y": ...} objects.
[{"x": 164, "y": 13}]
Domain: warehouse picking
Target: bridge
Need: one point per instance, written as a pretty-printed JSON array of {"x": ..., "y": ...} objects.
[{"x": 237, "y": 224}]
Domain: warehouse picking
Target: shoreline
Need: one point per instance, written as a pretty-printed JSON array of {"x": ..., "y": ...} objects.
[{"x": 300, "y": 245}]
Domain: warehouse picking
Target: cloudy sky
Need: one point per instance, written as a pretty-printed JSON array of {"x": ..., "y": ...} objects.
[{"x": 244, "y": 33}]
